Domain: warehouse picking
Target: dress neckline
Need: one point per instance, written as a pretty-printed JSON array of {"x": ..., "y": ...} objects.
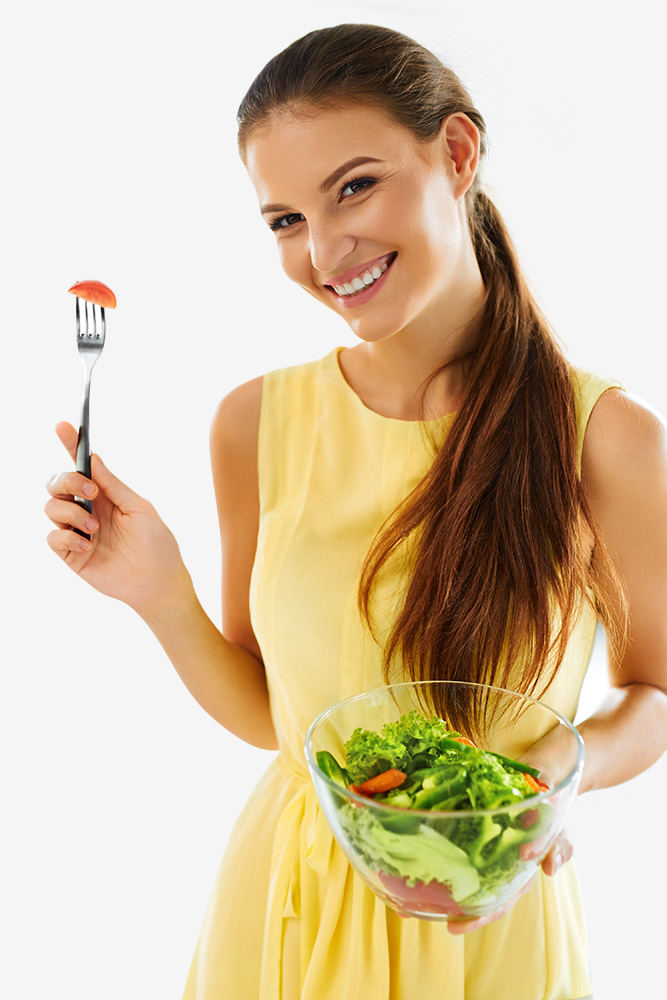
[{"x": 334, "y": 359}]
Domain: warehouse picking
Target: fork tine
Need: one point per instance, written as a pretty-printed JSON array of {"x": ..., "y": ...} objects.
[{"x": 88, "y": 331}]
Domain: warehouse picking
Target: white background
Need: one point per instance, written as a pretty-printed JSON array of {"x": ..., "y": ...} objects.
[{"x": 119, "y": 163}]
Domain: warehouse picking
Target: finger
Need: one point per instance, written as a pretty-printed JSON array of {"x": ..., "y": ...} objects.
[
  {"x": 534, "y": 849},
  {"x": 561, "y": 852},
  {"x": 118, "y": 493},
  {"x": 552, "y": 862},
  {"x": 68, "y": 436},
  {"x": 64, "y": 543},
  {"x": 71, "y": 484},
  {"x": 65, "y": 513},
  {"x": 567, "y": 849}
]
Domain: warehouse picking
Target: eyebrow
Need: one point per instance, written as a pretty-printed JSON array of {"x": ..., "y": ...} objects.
[{"x": 327, "y": 184}]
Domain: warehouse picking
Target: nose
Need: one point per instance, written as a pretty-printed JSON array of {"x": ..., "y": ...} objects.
[{"x": 328, "y": 246}]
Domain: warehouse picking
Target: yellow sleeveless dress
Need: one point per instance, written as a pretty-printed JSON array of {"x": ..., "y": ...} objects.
[{"x": 288, "y": 918}]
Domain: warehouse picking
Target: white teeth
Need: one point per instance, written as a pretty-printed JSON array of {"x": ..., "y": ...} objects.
[{"x": 361, "y": 281}]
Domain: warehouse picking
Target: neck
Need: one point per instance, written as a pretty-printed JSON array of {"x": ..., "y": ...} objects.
[{"x": 389, "y": 375}]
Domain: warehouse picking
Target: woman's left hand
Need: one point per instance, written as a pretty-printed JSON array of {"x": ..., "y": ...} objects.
[{"x": 560, "y": 852}]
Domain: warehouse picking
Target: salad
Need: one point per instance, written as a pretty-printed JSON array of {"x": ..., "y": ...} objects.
[{"x": 417, "y": 763}]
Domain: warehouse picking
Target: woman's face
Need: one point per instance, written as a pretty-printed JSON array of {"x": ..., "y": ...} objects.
[{"x": 368, "y": 220}]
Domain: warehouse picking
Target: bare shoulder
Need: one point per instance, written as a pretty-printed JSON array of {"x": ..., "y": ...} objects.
[
  {"x": 625, "y": 445},
  {"x": 235, "y": 424},
  {"x": 233, "y": 444}
]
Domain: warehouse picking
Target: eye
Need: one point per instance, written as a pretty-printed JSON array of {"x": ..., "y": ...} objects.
[
  {"x": 357, "y": 184},
  {"x": 285, "y": 221}
]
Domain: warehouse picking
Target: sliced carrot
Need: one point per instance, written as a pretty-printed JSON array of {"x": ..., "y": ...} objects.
[
  {"x": 354, "y": 788},
  {"x": 536, "y": 784},
  {"x": 463, "y": 739},
  {"x": 94, "y": 291},
  {"x": 383, "y": 782}
]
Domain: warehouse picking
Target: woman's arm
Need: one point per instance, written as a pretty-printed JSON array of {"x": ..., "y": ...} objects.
[
  {"x": 224, "y": 677},
  {"x": 224, "y": 670},
  {"x": 624, "y": 473},
  {"x": 133, "y": 557},
  {"x": 234, "y": 437}
]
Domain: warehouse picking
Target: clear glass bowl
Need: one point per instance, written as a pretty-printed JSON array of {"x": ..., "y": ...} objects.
[{"x": 423, "y": 862}]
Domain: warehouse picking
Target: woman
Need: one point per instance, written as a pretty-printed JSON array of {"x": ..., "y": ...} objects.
[{"x": 448, "y": 491}]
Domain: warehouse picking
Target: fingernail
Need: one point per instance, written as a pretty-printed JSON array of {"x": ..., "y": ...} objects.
[
  {"x": 84, "y": 544},
  {"x": 89, "y": 489},
  {"x": 91, "y": 524}
]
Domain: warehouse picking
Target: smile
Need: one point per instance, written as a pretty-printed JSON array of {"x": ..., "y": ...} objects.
[{"x": 363, "y": 280}]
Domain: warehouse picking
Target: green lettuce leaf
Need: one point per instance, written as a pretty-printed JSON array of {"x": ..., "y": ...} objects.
[{"x": 418, "y": 857}]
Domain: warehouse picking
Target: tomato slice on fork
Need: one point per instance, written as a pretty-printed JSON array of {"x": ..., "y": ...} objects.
[{"x": 96, "y": 292}]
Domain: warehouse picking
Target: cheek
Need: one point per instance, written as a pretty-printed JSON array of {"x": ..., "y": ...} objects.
[
  {"x": 429, "y": 223},
  {"x": 294, "y": 260},
  {"x": 439, "y": 218}
]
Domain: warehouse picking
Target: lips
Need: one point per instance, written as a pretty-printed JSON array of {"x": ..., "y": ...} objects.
[
  {"x": 357, "y": 294},
  {"x": 360, "y": 269}
]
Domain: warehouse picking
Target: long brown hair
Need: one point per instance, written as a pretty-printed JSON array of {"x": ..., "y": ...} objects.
[{"x": 493, "y": 533}]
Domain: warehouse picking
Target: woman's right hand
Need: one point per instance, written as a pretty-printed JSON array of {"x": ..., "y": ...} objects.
[{"x": 132, "y": 555}]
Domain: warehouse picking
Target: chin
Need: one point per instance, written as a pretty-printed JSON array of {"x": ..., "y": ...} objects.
[
  {"x": 373, "y": 331},
  {"x": 369, "y": 327},
  {"x": 373, "y": 336}
]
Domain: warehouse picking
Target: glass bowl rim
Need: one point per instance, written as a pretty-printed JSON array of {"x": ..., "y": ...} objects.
[{"x": 511, "y": 808}]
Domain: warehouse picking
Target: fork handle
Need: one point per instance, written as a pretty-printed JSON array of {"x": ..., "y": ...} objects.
[{"x": 83, "y": 448}]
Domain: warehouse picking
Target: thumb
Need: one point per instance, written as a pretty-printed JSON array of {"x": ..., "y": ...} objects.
[
  {"x": 68, "y": 436},
  {"x": 115, "y": 490}
]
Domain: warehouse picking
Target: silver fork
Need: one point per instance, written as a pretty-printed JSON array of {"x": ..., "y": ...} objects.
[{"x": 90, "y": 341}]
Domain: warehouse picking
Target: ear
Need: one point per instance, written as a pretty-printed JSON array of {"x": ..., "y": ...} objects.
[{"x": 459, "y": 138}]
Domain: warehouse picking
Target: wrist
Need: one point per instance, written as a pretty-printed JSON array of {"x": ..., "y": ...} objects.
[
  {"x": 174, "y": 597},
  {"x": 587, "y": 783}
]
